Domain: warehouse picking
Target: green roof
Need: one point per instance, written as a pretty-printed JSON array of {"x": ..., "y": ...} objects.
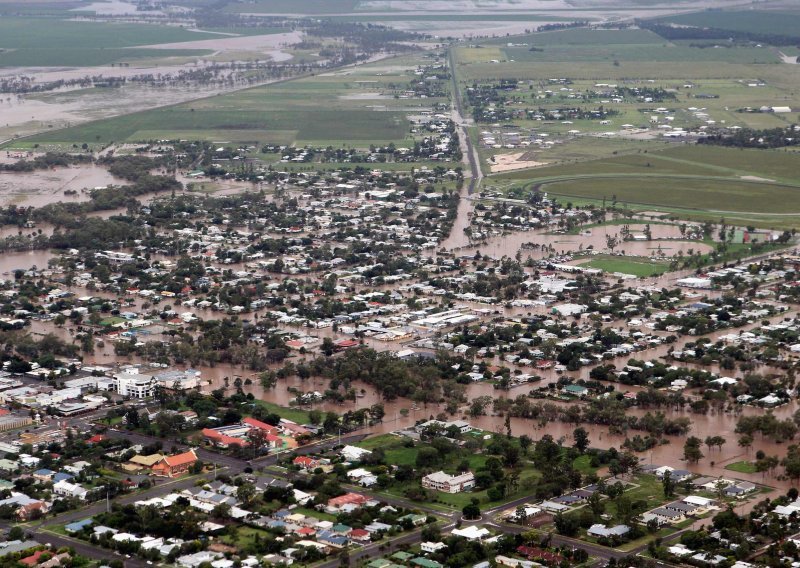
[
  {"x": 425, "y": 563},
  {"x": 340, "y": 528},
  {"x": 378, "y": 563},
  {"x": 402, "y": 556}
]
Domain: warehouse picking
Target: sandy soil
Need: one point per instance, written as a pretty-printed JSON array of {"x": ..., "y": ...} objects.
[
  {"x": 756, "y": 178},
  {"x": 262, "y": 43},
  {"x": 516, "y": 161}
]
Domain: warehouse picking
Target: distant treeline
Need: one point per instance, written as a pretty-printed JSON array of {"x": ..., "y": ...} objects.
[
  {"x": 47, "y": 161},
  {"x": 688, "y": 33},
  {"x": 750, "y": 138},
  {"x": 564, "y": 26}
]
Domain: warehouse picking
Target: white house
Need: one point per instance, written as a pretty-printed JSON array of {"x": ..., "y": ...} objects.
[
  {"x": 441, "y": 481},
  {"x": 353, "y": 453},
  {"x": 431, "y": 547},
  {"x": 66, "y": 489},
  {"x": 471, "y": 533}
]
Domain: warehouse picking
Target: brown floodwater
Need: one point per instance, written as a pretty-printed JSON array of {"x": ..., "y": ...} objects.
[{"x": 41, "y": 187}]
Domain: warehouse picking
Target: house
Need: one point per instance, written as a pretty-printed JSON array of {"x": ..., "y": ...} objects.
[
  {"x": 601, "y": 531},
  {"x": 668, "y": 515},
  {"x": 306, "y": 463},
  {"x": 359, "y": 535},
  {"x": 173, "y": 466},
  {"x": 43, "y": 474},
  {"x": 142, "y": 463},
  {"x": 425, "y": 563},
  {"x": 441, "y": 481},
  {"x": 78, "y": 526},
  {"x": 431, "y": 547},
  {"x": 25, "y": 507},
  {"x": 700, "y": 502},
  {"x": 575, "y": 390},
  {"x": 415, "y": 520},
  {"x": 353, "y": 453},
  {"x": 471, "y": 532},
  {"x": 348, "y": 501},
  {"x": 74, "y": 490},
  {"x": 259, "y": 425},
  {"x": 363, "y": 477}
]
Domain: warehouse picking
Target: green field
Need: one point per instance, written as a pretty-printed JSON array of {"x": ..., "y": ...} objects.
[
  {"x": 355, "y": 108},
  {"x": 768, "y": 22},
  {"x": 293, "y": 414},
  {"x": 40, "y": 42},
  {"x": 742, "y": 467},
  {"x": 637, "y": 266},
  {"x": 758, "y": 185},
  {"x": 684, "y": 192}
]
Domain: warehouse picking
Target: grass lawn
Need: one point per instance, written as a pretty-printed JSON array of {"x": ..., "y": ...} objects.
[
  {"x": 321, "y": 515},
  {"x": 638, "y": 266},
  {"x": 661, "y": 533},
  {"x": 244, "y": 537},
  {"x": 742, "y": 467},
  {"x": 397, "y": 453},
  {"x": 293, "y": 414},
  {"x": 57, "y": 529},
  {"x": 583, "y": 465}
]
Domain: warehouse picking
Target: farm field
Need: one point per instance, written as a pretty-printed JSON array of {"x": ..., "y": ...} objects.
[
  {"x": 586, "y": 158},
  {"x": 770, "y": 22},
  {"x": 37, "y": 42},
  {"x": 758, "y": 187},
  {"x": 354, "y": 107}
]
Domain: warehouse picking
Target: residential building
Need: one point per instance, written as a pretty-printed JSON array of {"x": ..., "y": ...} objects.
[
  {"x": 173, "y": 466},
  {"x": 441, "y": 481}
]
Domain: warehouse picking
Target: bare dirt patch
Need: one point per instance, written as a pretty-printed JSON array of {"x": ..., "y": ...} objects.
[{"x": 515, "y": 161}]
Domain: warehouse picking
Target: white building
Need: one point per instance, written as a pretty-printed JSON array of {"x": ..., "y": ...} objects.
[
  {"x": 134, "y": 385},
  {"x": 441, "y": 481},
  {"x": 66, "y": 489}
]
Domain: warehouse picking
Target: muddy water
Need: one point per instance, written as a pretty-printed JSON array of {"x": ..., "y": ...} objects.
[
  {"x": 404, "y": 413},
  {"x": 666, "y": 241},
  {"x": 42, "y": 187},
  {"x": 10, "y": 261}
]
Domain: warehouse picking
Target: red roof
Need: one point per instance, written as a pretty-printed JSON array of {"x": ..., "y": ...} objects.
[
  {"x": 534, "y": 552},
  {"x": 97, "y": 438},
  {"x": 306, "y": 531},
  {"x": 260, "y": 425},
  {"x": 347, "y": 499},
  {"x": 293, "y": 428},
  {"x": 33, "y": 559},
  {"x": 358, "y": 533},
  {"x": 180, "y": 459},
  {"x": 305, "y": 461},
  {"x": 221, "y": 438}
]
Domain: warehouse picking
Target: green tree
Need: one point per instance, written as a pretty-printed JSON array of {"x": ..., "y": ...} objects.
[
  {"x": 691, "y": 450},
  {"x": 581, "y": 438}
]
